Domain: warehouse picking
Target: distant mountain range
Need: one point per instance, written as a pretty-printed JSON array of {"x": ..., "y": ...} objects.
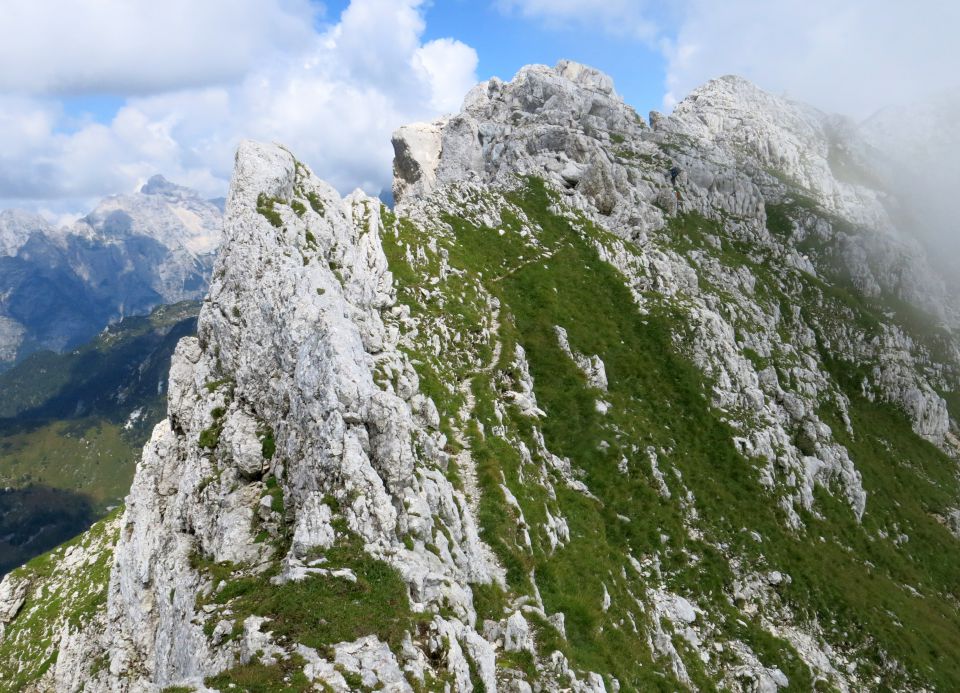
[{"x": 59, "y": 287}]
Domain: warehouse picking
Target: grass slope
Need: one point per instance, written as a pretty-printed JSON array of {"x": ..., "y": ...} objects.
[{"x": 852, "y": 580}]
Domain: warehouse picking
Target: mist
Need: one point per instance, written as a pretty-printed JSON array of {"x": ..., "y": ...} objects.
[
  {"x": 890, "y": 67},
  {"x": 917, "y": 156}
]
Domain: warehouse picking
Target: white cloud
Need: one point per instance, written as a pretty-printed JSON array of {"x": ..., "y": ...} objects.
[
  {"x": 142, "y": 46},
  {"x": 852, "y": 57},
  {"x": 630, "y": 18},
  {"x": 448, "y": 66},
  {"x": 335, "y": 102}
]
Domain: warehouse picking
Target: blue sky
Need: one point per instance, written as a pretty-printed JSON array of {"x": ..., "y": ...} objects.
[
  {"x": 97, "y": 95},
  {"x": 505, "y": 41}
]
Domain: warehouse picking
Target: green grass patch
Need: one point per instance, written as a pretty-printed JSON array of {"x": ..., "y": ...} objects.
[
  {"x": 660, "y": 399},
  {"x": 209, "y": 437},
  {"x": 315, "y": 202},
  {"x": 255, "y": 677},
  {"x": 321, "y": 610},
  {"x": 266, "y": 208},
  {"x": 268, "y": 444}
]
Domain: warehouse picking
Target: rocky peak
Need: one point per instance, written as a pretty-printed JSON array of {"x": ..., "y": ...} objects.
[
  {"x": 130, "y": 254},
  {"x": 732, "y": 106},
  {"x": 545, "y": 120},
  {"x": 297, "y": 344},
  {"x": 791, "y": 137},
  {"x": 585, "y": 76},
  {"x": 172, "y": 215},
  {"x": 158, "y": 185},
  {"x": 16, "y": 226},
  {"x": 598, "y": 407}
]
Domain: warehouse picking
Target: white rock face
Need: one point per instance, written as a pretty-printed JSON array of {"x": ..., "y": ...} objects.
[
  {"x": 417, "y": 154},
  {"x": 297, "y": 411},
  {"x": 12, "y": 595},
  {"x": 291, "y": 337}
]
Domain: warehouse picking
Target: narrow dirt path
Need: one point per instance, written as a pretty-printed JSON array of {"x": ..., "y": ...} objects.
[{"x": 465, "y": 462}]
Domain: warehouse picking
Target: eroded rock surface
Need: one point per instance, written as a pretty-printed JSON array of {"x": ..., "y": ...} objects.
[{"x": 599, "y": 406}]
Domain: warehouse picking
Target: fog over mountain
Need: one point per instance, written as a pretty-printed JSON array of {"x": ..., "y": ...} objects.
[
  {"x": 917, "y": 152},
  {"x": 888, "y": 67}
]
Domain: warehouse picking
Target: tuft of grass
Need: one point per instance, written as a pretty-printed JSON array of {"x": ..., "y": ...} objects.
[
  {"x": 275, "y": 492},
  {"x": 255, "y": 677},
  {"x": 268, "y": 444},
  {"x": 315, "y": 202},
  {"x": 215, "y": 385},
  {"x": 210, "y": 437},
  {"x": 265, "y": 206}
]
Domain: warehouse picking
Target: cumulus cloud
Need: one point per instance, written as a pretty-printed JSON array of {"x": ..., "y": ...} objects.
[
  {"x": 142, "y": 46},
  {"x": 449, "y": 67},
  {"x": 334, "y": 101}
]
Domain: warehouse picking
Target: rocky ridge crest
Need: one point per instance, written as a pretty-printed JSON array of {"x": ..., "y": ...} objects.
[{"x": 600, "y": 396}]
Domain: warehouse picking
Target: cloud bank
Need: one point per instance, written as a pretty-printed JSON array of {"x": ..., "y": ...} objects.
[
  {"x": 333, "y": 94},
  {"x": 852, "y": 57},
  {"x": 142, "y": 46}
]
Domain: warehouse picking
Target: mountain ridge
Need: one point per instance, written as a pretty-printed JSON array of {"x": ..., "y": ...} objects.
[{"x": 600, "y": 405}]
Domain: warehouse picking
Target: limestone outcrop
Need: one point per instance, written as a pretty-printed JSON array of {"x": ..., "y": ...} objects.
[{"x": 600, "y": 405}]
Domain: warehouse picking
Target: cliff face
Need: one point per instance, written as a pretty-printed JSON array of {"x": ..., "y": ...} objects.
[{"x": 600, "y": 406}]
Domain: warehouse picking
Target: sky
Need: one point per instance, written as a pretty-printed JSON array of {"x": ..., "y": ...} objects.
[{"x": 98, "y": 95}]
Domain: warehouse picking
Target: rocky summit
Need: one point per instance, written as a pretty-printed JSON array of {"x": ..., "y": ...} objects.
[{"x": 603, "y": 404}]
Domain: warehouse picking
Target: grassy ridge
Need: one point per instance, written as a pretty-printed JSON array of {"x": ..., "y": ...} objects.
[{"x": 852, "y": 579}]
